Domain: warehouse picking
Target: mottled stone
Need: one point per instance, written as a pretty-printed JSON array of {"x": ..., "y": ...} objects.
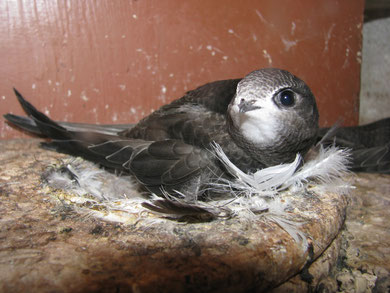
[
  {"x": 47, "y": 246},
  {"x": 365, "y": 255}
]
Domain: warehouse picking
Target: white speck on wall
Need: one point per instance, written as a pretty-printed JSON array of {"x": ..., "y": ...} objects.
[
  {"x": 171, "y": 75},
  {"x": 262, "y": 19},
  {"x": 96, "y": 90},
  {"x": 95, "y": 113},
  {"x": 213, "y": 50},
  {"x": 359, "y": 57},
  {"x": 57, "y": 83},
  {"x": 123, "y": 36},
  {"x": 232, "y": 32},
  {"x": 135, "y": 16},
  {"x": 106, "y": 36},
  {"x": 293, "y": 26},
  {"x": 288, "y": 44},
  {"x": 254, "y": 37},
  {"x": 346, "y": 61},
  {"x": 328, "y": 36},
  {"x": 267, "y": 56},
  {"x": 162, "y": 96},
  {"x": 46, "y": 111},
  {"x": 106, "y": 106},
  {"x": 114, "y": 117},
  {"x": 133, "y": 110},
  {"x": 3, "y": 97},
  {"x": 122, "y": 87},
  {"x": 139, "y": 50},
  {"x": 33, "y": 86},
  {"x": 225, "y": 57},
  {"x": 69, "y": 93},
  {"x": 83, "y": 96},
  {"x": 49, "y": 82}
]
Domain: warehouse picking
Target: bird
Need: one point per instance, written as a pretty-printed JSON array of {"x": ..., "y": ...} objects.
[{"x": 261, "y": 120}]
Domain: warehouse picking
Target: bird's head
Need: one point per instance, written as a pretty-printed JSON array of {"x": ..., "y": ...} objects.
[{"x": 273, "y": 115}]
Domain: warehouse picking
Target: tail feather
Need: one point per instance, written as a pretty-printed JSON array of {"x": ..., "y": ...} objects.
[
  {"x": 38, "y": 122},
  {"x": 28, "y": 124},
  {"x": 110, "y": 129},
  {"x": 24, "y": 123},
  {"x": 75, "y": 139},
  {"x": 46, "y": 126}
]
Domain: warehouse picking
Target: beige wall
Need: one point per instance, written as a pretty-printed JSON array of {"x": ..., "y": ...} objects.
[{"x": 114, "y": 61}]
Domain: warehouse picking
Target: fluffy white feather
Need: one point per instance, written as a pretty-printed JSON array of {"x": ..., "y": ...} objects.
[
  {"x": 265, "y": 181},
  {"x": 327, "y": 169}
]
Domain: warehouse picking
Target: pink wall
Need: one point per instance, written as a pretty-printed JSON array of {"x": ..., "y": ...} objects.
[{"x": 114, "y": 61}]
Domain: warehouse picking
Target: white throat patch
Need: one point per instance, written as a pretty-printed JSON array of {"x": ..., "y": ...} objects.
[{"x": 259, "y": 126}]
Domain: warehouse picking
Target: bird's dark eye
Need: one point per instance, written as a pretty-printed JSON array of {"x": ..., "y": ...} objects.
[{"x": 287, "y": 98}]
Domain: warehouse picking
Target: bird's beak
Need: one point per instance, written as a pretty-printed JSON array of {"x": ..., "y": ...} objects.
[{"x": 245, "y": 106}]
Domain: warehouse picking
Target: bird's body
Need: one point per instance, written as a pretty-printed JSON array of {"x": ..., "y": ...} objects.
[{"x": 261, "y": 120}]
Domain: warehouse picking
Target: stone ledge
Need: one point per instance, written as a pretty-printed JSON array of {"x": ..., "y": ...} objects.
[{"x": 46, "y": 246}]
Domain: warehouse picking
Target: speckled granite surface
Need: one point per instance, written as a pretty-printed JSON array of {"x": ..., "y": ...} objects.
[{"x": 46, "y": 246}]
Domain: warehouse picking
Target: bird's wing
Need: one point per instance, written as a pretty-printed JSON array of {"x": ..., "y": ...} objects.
[
  {"x": 215, "y": 96},
  {"x": 197, "y": 118},
  {"x": 154, "y": 163},
  {"x": 372, "y": 160},
  {"x": 369, "y": 145},
  {"x": 167, "y": 164},
  {"x": 364, "y": 136},
  {"x": 171, "y": 163}
]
